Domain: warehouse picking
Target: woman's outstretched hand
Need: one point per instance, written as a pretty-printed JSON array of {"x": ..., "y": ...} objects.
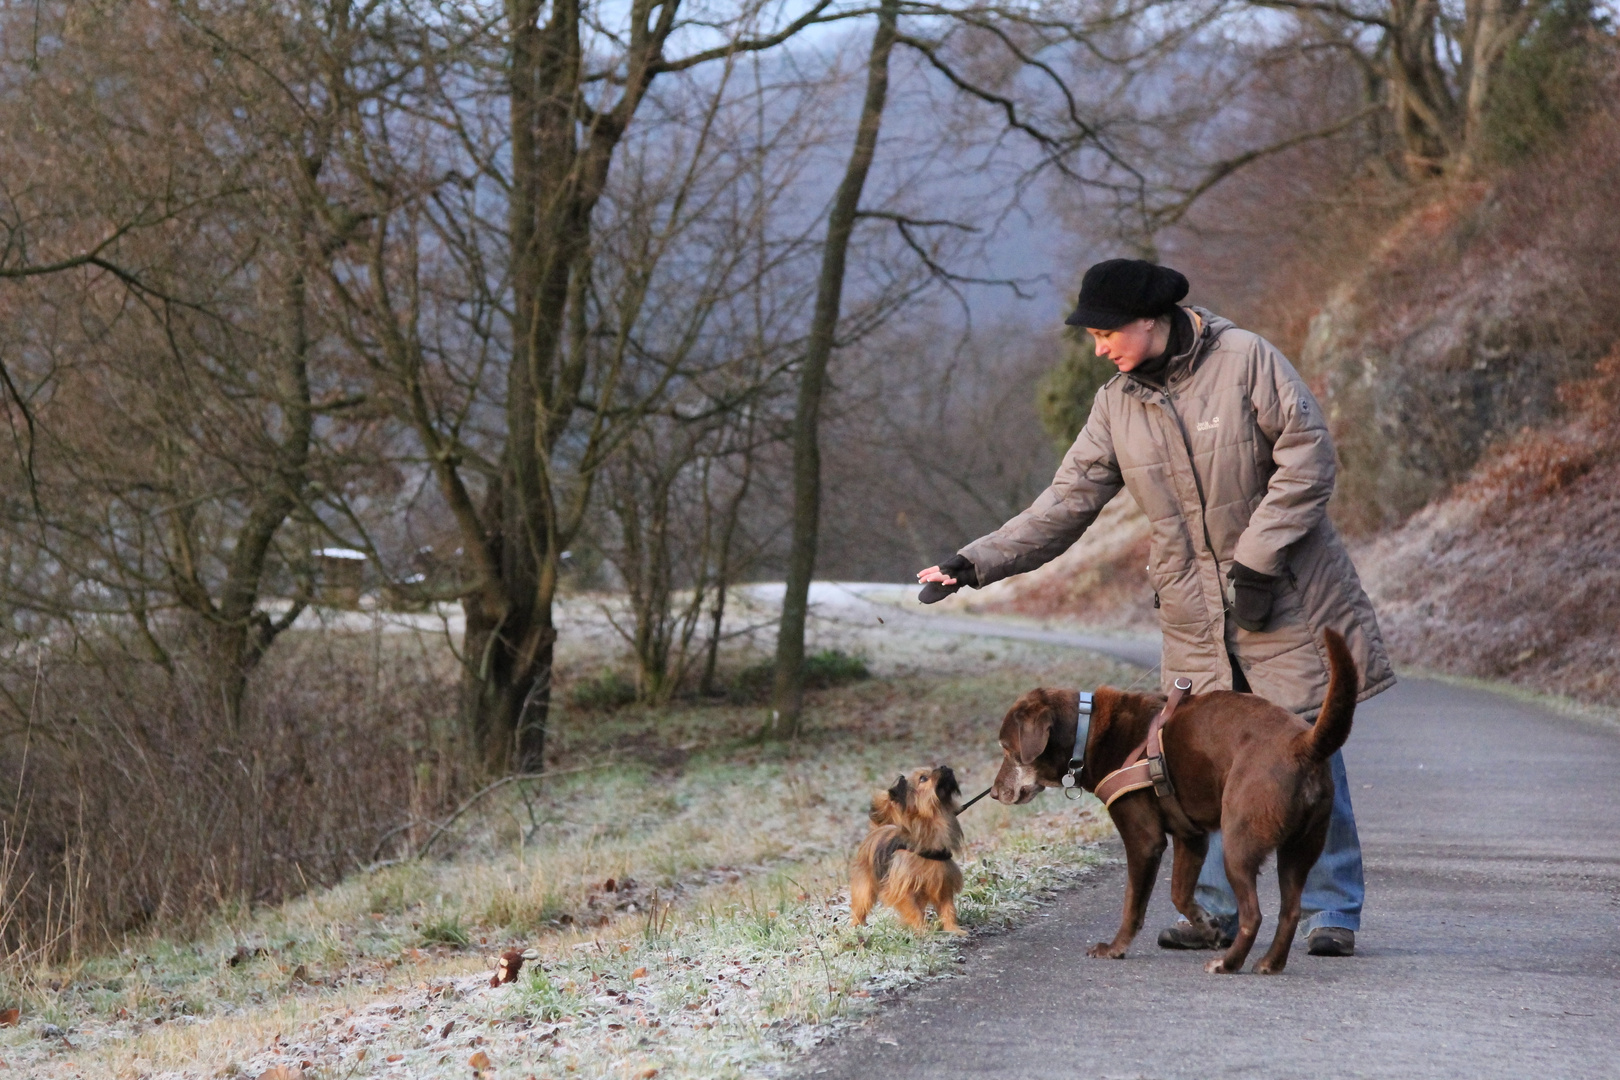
[{"x": 940, "y": 581}]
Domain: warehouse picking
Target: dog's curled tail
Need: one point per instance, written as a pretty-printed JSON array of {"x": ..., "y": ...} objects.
[{"x": 1332, "y": 726}]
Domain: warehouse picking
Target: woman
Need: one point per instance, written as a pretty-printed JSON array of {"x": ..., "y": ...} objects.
[{"x": 1226, "y": 451}]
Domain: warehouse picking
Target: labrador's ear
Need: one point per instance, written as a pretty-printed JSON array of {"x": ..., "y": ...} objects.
[{"x": 1027, "y": 727}]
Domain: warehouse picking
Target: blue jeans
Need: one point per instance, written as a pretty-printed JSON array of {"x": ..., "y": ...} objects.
[{"x": 1334, "y": 889}]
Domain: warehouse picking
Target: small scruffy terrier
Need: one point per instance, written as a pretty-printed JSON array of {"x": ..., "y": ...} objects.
[{"x": 905, "y": 861}]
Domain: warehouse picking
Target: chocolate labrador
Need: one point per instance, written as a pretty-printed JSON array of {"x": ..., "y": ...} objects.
[{"x": 1236, "y": 763}]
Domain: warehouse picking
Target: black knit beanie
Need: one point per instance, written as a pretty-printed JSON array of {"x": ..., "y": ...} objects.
[{"x": 1117, "y": 291}]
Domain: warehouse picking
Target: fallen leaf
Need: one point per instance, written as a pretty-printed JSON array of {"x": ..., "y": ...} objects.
[
  {"x": 507, "y": 968},
  {"x": 281, "y": 1072},
  {"x": 449, "y": 1026},
  {"x": 361, "y": 1056},
  {"x": 480, "y": 1060},
  {"x": 648, "y": 1074},
  {"x": 9, "y": 1017},
  {"x": 393, "y": 1057},
  {"x": 639, "y": 973}
]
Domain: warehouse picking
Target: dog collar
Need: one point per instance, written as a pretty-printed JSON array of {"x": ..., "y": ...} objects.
[{"x": 1082, "y": 733}]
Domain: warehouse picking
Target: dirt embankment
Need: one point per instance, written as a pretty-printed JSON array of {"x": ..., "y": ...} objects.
[
  {"x": 1516, "y": 573},
  {"x": 1463, "y": 324}
]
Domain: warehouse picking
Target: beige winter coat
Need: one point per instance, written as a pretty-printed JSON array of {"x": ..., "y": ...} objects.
[{"x": 1231, "y": 462}]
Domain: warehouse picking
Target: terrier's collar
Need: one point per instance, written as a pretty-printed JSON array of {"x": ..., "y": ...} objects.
[{"x": 1082, "y": 732}]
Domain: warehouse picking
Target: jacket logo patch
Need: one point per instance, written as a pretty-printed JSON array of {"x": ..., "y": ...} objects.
[{"x": 1209, "y": 425}]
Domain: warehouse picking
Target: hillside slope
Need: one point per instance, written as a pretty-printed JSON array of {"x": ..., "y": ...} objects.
[
  {"x": 1516, "y": 573},
  {"x": 1463, "y": 323}
]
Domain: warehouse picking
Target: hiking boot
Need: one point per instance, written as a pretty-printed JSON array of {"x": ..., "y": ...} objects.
[
  {"x": 1331, "y": 941},
  {"x": 1184, "y": 935}
]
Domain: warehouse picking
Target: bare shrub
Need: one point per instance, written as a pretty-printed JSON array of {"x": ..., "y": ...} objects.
[{"x": 129, "y": 803}]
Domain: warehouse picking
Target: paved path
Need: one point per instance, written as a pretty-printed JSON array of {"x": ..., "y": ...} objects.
[
  {"x": 860, "y": 601},
  {"x": 1490, "y": 946}
]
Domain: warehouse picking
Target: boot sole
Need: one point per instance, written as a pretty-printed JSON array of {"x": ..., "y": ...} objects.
[{"x": 1184, "y": 945}]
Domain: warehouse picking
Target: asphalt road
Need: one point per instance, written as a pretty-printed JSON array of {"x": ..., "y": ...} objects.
[
  {"x": 862, "y": 601},
  {"x": 1490, "y": 946}
]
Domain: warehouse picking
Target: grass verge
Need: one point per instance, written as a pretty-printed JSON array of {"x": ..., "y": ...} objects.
[{"x": 682, "y": 884}]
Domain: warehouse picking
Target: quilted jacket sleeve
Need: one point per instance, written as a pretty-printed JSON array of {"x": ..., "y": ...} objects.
[
  {"x": 1088, "y": 477},
  {"x": 1302, "y": 452}
]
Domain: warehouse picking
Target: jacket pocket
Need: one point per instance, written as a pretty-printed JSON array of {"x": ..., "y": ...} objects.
[{"x": 1282, "y": 662}]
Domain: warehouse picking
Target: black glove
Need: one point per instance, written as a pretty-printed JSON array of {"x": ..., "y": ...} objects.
[
  {"x": 1252, "y": 594},
  {"x": 958, "y": 567}
]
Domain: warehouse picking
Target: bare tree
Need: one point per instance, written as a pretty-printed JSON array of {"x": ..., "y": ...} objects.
[
  {"x": 1430, "y": 70},
  {"x": 1020, "y": 67},
  {"x": 787, "y": 696},
  {"x": 506, "y": 336},
  {"x": 171, "y": 386}
]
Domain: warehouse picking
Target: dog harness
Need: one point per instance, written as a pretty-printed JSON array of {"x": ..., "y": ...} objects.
[{"x": 1145, "y": 766}]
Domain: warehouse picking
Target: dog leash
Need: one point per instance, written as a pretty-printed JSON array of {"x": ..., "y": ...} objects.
[{"x": 975, "y": 799}]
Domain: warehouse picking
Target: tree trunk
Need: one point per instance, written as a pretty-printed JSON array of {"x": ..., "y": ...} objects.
[
  {"x": 723, "y": 565},
  {"x": 1421, "y": 102},
  {"x": 787, "y": 699},
  {"x": 239, "y": 634},
  {"x": 510, "y": 636},
  {"x": 1491, "y": 28},
  {"x": 506, "y": 685}
]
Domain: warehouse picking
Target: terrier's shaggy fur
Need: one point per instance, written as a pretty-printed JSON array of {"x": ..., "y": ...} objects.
[{"x": 906, "y": 860}]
